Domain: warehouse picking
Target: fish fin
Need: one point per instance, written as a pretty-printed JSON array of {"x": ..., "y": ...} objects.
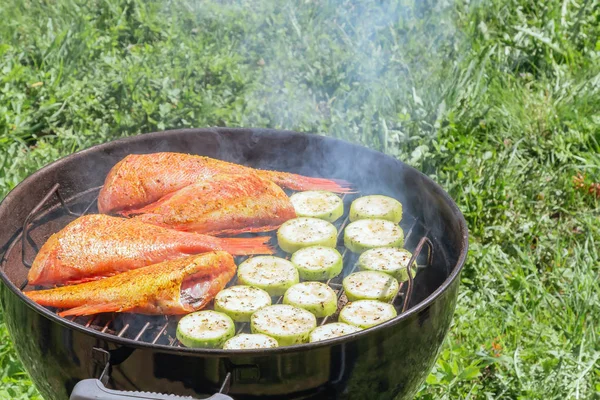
[
  {"x": 145, "y": 209},
  {"x": 90, "y": 309},
  {"x": 250, "y": 229},
  {"x": 300, "y": 182},
  {"x": 84, "y": 280},
  {"x": 246, "y": 246}
]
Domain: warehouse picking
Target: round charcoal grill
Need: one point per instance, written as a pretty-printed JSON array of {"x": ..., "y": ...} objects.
[{"x": 109, "y": 353}]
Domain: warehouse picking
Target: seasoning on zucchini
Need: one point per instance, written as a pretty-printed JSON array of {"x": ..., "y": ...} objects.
[
  {"x": 316, "y": 297},
  {"x": 246, "y": 341},
  {"x": 205, "y": 329},
  {"x": 376, "y": 207},
  {"x": 365, "y": 234},
  {"x": 287, "y": 324},
  {"x": 302, "y": 232},
  {"x": 330, "y": 331},
  {"x": 390, "y": 260},
  {"x": 318, "y": 263},
  {"x": 367, "y": 313},
  {"x": 240, "y": 302},
  {"x": 370, "y": 285},
  {"x": 318, "y": 204},
  {"x": 272, "y": 274}
]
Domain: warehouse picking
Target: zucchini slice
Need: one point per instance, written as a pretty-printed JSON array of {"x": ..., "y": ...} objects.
[
  {"x": 390, "y": 260},
  {"x": 376, "y": 207},
  {"x": 271, "y": 274},
  {"x": 370, "y": 285},
  {"x": 240, "y": 302},
  {"x": 365, "y": 234},
  {"x": 367, "y": 313},
  {"x": 302, "y": 232},
  {"x": 318, "y": 204},
  {"x": 287, "y": 324},
  {"x": 318, "y": 263},
  {"x": 316, "y": 297},
  {"x": 333, "y": 330},
  {"x": 205, "y": 329},
  {"x": 246, "y": 341}
]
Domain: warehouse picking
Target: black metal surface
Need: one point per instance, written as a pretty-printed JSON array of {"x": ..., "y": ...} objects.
[{"x": 389, "y": 361}]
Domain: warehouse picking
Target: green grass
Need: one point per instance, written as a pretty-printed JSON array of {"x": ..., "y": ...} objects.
[{"x": 496, "y": 100}]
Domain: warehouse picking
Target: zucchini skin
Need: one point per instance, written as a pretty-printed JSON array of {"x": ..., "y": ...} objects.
[
  {"x": 359, "y": 209},
  {"x": 259, "y": 298},
  {"x": 320, "y": 308},
  {"x": 333, "y": 204},
  {"x": 252, "y": 340},
  {"x": 332, "y": 330},
  {"x": 268, "y": 320},
  {"x": 360, "y": 245},
  {"x": 370, "y": 285},
  {"x": 375, "y": 312},
  {"x": 287, "y": 276},
  {"x": 379, "y": 259},
  {"x": 318, "y": 274},
  {"x": 202, "y": 318},
  {"x": 291, "y": 244}
]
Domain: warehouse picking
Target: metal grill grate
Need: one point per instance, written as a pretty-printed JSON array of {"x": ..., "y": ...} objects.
[{"x": 161, "y": 329}]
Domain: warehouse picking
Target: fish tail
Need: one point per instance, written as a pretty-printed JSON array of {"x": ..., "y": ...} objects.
[
  {"x": 90, "y": 309},
  {"x": 300, "y": 182},
  {"x": 250, "y": 229},
  {"x": 246, "y": 246}
]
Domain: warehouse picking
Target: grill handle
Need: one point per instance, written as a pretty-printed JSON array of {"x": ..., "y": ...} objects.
[{"x": 93, "y": 389}]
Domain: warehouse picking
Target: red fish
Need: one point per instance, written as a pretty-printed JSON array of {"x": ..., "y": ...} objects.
[
  {"x": 171, "y": 287},
  {"x": 224, "y": 204},
  {"x": 140, "y": 179},
  {"x": 96, "y": 246}
]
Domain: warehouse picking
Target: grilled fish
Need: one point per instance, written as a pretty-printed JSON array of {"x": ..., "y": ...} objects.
[
  {"x": 224, "y": 204},
  {"x": 140, "y": 179},
  {"x": 96, "y": 246},
  {"x": 171, "y": 287}
]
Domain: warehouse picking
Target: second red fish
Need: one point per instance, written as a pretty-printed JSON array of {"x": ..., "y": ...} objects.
[{"x": 224, "y": 204}]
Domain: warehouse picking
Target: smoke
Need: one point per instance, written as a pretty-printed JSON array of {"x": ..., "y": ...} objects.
[{"x": 366, "y": 71}]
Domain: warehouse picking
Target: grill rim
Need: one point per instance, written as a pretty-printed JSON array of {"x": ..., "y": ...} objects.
[{"x": 23, "y": 187}]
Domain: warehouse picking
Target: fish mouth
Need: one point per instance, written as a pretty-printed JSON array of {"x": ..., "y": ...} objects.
[{"x": 194, "y": 291}]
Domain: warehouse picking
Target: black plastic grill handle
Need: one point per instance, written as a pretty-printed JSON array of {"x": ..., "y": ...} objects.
[{"x": 93, "y": 389}]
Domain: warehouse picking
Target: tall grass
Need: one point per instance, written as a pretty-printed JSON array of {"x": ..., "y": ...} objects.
[{"x": 496, "y": 100}]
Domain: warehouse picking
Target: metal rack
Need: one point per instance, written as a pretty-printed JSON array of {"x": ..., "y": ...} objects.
[{"x": 161, "y": 329}]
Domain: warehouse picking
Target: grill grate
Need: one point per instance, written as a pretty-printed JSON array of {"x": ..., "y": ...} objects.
[{"x": 161, "y": 329}]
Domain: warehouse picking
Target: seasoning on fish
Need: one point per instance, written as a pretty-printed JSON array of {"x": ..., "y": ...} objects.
[
  {"x": 96, "y": 246},
  {"x": 140, "y": 179},
  {"x": 171, "y": 287},
  {"x": 224, "y": 204}
]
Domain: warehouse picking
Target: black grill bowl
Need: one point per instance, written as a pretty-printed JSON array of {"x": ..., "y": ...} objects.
[{"x": 389, "y": 361}]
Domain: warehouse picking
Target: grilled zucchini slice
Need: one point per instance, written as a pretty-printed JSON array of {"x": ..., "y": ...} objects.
[
  {"x": 370, "y": 285},
  {"x": 205, "y": 329},
  {"x": 240, "y": 302},
  {"x": 390, "y": 260},
  {"x": 365, "y": 234},
  {"x": 376, "y": 207},
  {"x": 318, "y": 263},
  {"x": 301, "y": 232},
  {"x": 271, "y": 274},
  {"x": 333, "y": 330},
  {"x": 287, "y": 324},
  {"x": 316, "y": 297},
  {"x": 367, "y": 313},
  {"x": 245, "y": 341},
  {"x": 318, "y": 204}
]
